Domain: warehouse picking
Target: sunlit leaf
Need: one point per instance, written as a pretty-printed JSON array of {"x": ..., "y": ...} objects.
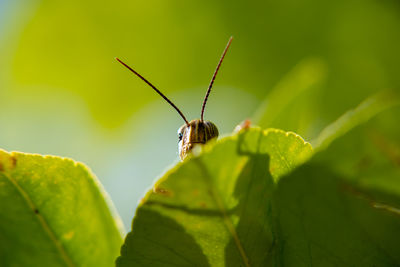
[
  {"x": 215, "y": 209},
  {"x": 242, "y": 202},
  {"x": 53, "y": 212}
]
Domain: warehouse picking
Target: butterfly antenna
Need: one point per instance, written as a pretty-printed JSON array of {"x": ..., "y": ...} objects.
[
  {"x": 213, "y": 78},
  {"x": 155, "y": 89}
]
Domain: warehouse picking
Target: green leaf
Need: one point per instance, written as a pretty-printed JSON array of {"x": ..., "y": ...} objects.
[
  {"x": 362, "y": 113},
  {"x": 54, "y": 212},
  {"x": 325, "y": 220},
  {"x": 215, "y": 209},
  {"x": 343, "y": 207},
  {"x": 202, "y": 213},
  {"x": 244, "y": 202},
  {"x": 303, "y": 77}
]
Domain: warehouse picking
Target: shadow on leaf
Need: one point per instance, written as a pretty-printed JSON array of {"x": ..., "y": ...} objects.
[
  {"x": 143, "y": 243},
  {"x": 323, "y": 221},
  {"x": 254, "y": 238}
]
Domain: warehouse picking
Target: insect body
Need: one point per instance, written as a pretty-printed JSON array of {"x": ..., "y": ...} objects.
[{"x": 196, "y": 131}]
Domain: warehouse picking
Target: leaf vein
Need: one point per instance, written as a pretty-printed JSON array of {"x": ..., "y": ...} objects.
[
  {"x": 42, "y": 221},
  {"x": 221, "y": 207}
]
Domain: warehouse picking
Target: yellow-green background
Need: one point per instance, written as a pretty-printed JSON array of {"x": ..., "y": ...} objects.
[{"x": 62, "y": 92}]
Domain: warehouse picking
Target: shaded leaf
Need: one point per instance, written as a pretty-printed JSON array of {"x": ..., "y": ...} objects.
[
  {"x": 324, "y": 220},
  {"x": 303, "y": 77},
  {"x": 362, "y": 113},
  {"x": 53, "y": 212},
  {"x": 343, "y": 207},
  {"x": 218, "y": 204},
  {"x": 242, "y": 202}
]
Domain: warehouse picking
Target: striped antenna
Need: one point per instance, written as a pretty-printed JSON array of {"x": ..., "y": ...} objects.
[
  {"x": 213, "y": 78},
  {"x": 155, "y": 89}
]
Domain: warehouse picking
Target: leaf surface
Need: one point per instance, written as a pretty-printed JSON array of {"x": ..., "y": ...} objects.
[
  {"x": 246, "y": 202},
  {"x": 325, "y": 220},
  {"x": 359, "y": 115},
  {"x": 53, "y": 212},
  {"x": 215, "y": 209},
  {"x": 303, "y": 77}
]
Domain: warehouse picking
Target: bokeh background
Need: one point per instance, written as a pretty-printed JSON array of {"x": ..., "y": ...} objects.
[{"x": 63, "y": 93}]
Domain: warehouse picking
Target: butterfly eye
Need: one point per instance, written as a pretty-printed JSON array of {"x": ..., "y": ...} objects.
[{"x": 180, "y": 136}]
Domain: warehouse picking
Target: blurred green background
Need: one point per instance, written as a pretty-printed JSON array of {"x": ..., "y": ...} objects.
[{"x": 63, "y": 93}]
